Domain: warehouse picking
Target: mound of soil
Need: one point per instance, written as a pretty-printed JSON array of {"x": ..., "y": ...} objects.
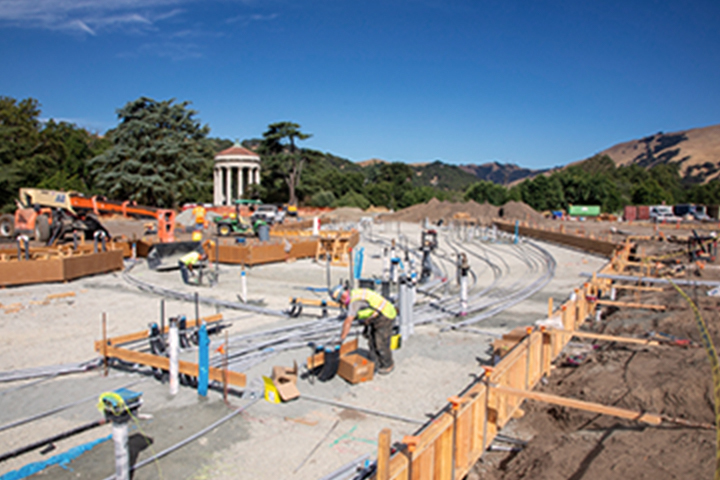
[
  {"x": 436, "y": 210},
  {"x": 668, "y": 380},
  {"x": 345, "y": 214}
]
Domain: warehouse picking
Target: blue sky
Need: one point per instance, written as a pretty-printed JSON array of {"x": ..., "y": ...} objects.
[{"x": 536, "y": 83}]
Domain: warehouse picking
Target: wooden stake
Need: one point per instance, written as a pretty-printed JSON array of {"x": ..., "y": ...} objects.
[
  {"x": 104, "y": 348},
  {"x": 550, "y": 307},
  {"x": 383, "y": 457},
  {"x": 225, "y": 368}
]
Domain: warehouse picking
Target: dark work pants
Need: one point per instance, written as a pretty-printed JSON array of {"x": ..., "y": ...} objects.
[
  {"x": 185, "y": 272},
  {"x": 379, "y": 333}
]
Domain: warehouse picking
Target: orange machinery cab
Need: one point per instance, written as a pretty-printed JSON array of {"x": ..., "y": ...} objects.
[
  {"x": 26, "y": 221},
  {"x": 166, "y": 225}
]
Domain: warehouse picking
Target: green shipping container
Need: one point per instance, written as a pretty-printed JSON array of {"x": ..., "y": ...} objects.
[{"x": 584, "y": 210}]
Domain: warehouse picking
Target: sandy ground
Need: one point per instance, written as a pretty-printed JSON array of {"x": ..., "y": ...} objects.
[
  {"x": 266, "y": 441},
  {"x": 670, "y": 380}
]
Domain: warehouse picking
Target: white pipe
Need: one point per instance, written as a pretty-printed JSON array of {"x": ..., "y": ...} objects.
[
  {"x": 316, "y": 226},
  {"x": 122, "y": 457},
  {"x": 174, "y": 343},
  {"x": 243, "y": 286},
  {"x": 463, "y": 295}
]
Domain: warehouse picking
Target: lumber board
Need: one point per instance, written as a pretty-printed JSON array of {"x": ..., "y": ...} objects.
[
  {"x": 616, "y": 303},
  {"x": 133, "y": 337},
  {"x": 609, "y": 338},
  {"x": 186, "y": 368},
  {"x": 641, "y": 288},
  {"x": 318, "y": 360},
  {"x": 383, "y": 458},
  {"x": 314, "y": 302},
  {"x": 649, "y": 418}
]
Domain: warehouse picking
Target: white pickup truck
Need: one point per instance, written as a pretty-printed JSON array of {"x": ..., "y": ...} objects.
[
  {"x": 269, "y": 213},
  {"x": 663, "y": 213}
]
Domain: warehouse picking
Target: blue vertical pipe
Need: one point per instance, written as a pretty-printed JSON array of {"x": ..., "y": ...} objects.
[
  {"x": 517, "y": 230},
  {"x": 203, "y": 360},
  {"x": 359, "y": 255}
]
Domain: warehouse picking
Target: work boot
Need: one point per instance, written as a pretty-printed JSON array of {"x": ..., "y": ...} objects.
[{"x": 386, "y": 370}]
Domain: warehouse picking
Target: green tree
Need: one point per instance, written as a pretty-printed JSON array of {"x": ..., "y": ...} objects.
[
  {"x": 280, "y": 152},
  {"x": 19, "y": 140},
  {"x": 486, "y": 191},
  {"x": 159, "y": 155},
  {"x": 50, "y": 155},
  {"x": 543, "y": 193},
  {"x": 352, "y": 199}
]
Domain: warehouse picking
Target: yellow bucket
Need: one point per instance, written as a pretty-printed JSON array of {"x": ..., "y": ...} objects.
[{"x": 197, "y": 236}]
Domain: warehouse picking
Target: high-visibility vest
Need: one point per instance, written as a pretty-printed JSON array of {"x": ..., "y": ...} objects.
[
  {"x": 199, "y": 213},
  {"x": 377, "y": 302},
  {"x": 190, "y": 258}
]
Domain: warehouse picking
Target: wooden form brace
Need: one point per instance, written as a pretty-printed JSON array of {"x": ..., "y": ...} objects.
[
  {"x": 133, "y": 337},
  {"x": 110, "y": 349},
  {"x": 163, "y": 363},
  {"x": 450, "y": 445}
]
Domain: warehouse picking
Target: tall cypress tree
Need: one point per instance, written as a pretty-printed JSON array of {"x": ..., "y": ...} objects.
[{"x": 160, "y": 155}]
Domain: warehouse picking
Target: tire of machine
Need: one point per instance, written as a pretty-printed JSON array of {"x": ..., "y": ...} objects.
[
  {"x": 224, "y": 230},
  {"x": 42, "y": 228},
  {"x": 7, "y": 226}
]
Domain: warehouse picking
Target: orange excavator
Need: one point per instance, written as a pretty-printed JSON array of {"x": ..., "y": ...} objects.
[{"x": 49, "y": 215}]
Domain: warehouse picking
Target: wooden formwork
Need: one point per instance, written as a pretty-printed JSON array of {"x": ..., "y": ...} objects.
[
  {"x": 336, "y": 246},
  {"x": 258, "y": 253},
  {"x": 48, "y": 264},
  {"x": 449, "y": 446},
  {"x": 593, "y": 245},
  {"x": 114, "y": 348}
]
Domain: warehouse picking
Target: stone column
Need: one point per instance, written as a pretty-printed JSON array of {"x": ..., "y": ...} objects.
[
  {"x": 241, "y": 188},
  {"x": 228, "y": 186},
  {"x": 216, "y": 187}
]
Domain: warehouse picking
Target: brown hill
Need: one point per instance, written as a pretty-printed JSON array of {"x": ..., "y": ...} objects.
[
  {"x": 697, "y": 151},
  {"x": 372, "y": 161}
]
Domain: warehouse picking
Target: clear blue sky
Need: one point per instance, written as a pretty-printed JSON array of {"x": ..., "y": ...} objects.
[{"x": 537, "y": 83}]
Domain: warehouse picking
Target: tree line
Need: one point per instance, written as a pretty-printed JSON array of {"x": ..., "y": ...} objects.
[
  {"x": 160, "y": 154},
  {"x": 598, "y": 181}
]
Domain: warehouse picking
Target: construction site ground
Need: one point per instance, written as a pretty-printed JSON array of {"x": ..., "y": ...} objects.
[
  {"x": 266, "y": 441},
  {"x": 675, "y": 381},
  {"x": 272, "y": 441}
]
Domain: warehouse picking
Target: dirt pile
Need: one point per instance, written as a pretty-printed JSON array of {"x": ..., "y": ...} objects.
[
  {"x": 670, "y": 380},
  {"x": 436, "y": 210},
  {"x": 345, "y": 214}
]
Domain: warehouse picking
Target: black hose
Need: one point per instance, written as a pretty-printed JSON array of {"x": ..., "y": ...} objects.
[{"x": 50, "y": 440}]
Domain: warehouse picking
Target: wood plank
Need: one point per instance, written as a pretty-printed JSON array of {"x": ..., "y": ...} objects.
[
  {"x": 615, "y": 303},
  {"x": 649, "y": 418},
  {"x": 383, "y": 457},
  {"x": 133, "y": 337},
  {"x": 187, "y": 368},
  {"x": 443, "y": 456},
  {"x": 641, "y": 288},
  {"x": 314, "y": 302},
  {"x": 609, "y": 338}
]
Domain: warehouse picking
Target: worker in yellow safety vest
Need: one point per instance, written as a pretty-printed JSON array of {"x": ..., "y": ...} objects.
[
  {"x": 199, "y": 214},
  {"x": 187, "y": 262},
  {"x": 377, "y": 314}
]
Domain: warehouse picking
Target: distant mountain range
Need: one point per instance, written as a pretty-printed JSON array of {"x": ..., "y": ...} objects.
[
  {"x": 697, "y": 151},
  {"x": 502, "y": 173}
]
